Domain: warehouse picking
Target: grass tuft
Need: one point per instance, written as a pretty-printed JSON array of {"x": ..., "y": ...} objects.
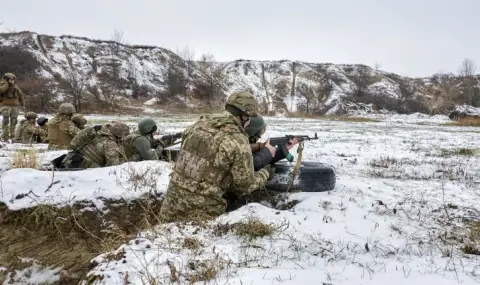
[
  {"x": 465, "y": 122},
  {"x": 25, "y": 158},
  {"x": 254, "y": 228}
]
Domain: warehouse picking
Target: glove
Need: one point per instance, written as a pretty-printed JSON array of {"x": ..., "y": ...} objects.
[{"x": 271, "y": 171}]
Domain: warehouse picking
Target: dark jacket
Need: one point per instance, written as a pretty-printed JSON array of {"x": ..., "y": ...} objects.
[{"x": 263, "y": 157}]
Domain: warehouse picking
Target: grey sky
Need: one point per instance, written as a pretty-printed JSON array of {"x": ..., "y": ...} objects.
[{"x": 414, "y": 38}]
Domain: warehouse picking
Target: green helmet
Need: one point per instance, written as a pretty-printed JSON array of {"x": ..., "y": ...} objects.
[
  {"x": 147, "y": 125},
  {"x": 79, "y": 120},
  {"x": 66, "y": 109},
  {"x": 30, "y": 115},
  {"x": 244, "y": 101},
  {"x": 256, "y": 127},
  {"x": 119, "y": 129}
]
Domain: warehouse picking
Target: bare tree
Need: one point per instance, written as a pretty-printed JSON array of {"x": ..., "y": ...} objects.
[
  {"x": 75, "y": 86},
  {"x": 210, "y": 90},
  {"x": 361, "y": 80},
  {"x": 467, "y": 72},
  {"x": 117, "y": 37},
  {"x": 377, "y": 66},
  {"x": 407, "y": 89},
  {"x": 188, "y": 55}
]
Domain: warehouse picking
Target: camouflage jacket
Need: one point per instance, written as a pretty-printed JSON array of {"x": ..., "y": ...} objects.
[
  {"x": 43, "y": 133},
  {"x": 28, "y": 133},
  {"x": 139, "y": 147},
  {"x": 215, "y": 158},
  {"x": 11, "y": 95},
  {"x": 60, "y": 132},
  {"x": 102, "y": 151}
]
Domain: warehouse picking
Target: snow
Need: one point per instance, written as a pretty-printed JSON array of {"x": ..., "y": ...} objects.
[
  {"x": 402, "y": 185},
  {"x": 33, "y": 274}
]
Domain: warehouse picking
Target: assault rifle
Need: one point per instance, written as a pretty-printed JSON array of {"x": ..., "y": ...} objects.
[
  {"x": 275, "y": 141},
  {"x": 167, "y": 139}
]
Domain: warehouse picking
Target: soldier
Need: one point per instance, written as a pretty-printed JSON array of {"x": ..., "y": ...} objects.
[
  {"x": 11, "y": 98},
  {"x": 79, "y": 121},
  {"x": 42, "y": 124},
  {"x": 265, "y": 153},
  {"x": 215, "y": 159},
  {"x": 140, "y": 145},
  {"x": 94, "y": 148},
  {"x": 27, "y": 132},
  {"x": 61, "y": 130}
]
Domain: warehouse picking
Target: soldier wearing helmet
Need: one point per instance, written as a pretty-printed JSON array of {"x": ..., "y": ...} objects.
[
  {"x": 61, "y": 130},
  {"x": 42, "y": 124},
  {"x": 11, "y": 97},
  {"x": 79, "y": 121},
  {"x": 27, "y": 132},
  {"x": 93, "y": 147},
  {"x": 140, "y": 144},
  {"x": 215, "y": 161},
  {"x": 265, "y": 153}
]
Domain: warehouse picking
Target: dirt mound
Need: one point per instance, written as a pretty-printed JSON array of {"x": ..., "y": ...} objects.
[{"x": 67, "y": 238}]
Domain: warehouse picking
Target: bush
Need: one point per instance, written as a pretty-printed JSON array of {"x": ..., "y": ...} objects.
[
  {"x": 18, "y": 61},
  {"x": 406, "y": 106}
]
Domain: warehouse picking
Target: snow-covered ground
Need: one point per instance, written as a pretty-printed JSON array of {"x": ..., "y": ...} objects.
[{"x": 405, "y": 189}]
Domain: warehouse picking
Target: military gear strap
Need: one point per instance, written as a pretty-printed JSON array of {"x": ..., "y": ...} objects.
[{"x": 297, "y": 165}]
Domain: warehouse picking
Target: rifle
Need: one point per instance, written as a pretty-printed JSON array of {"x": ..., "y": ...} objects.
[
  {"x": 166, "y": 139},
  {"x": 280, "y": 141}
]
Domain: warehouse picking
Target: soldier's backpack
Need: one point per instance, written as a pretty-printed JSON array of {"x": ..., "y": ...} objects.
[{"x": 84, "y": 137}]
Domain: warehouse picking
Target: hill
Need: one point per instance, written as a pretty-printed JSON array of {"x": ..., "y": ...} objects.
[{"x": 97, "y": 73}]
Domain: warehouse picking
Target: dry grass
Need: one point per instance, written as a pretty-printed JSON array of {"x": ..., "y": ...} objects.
[
  {"x": 254, "y": 228},
  {"x": 25, "y": 158},
  {"x": 459, "y": 151},
  {"x": 465, "y": 122}
]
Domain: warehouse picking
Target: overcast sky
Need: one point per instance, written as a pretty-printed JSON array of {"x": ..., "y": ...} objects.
[{"x": 414, "y": 38}]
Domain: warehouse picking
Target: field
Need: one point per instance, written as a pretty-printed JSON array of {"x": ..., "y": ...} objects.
[{"x": 404, "y": 211}]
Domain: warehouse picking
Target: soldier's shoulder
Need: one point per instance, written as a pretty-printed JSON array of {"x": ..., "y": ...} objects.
[{"x": 236, "y": 141}]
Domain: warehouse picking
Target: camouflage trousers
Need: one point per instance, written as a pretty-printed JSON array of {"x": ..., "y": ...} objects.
[{"x": 9, "y": 121}]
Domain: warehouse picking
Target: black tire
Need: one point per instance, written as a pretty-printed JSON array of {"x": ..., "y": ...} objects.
[{"x": 312, "y": 177}]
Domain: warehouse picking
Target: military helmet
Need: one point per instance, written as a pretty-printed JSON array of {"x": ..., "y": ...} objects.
[
  {"x": 42, "y": 120},
  {"x": 9, "y": 76},
  {"x": 66, "y": 109},
  {"x": 147, "y": 125},
  {"x": 30, "y": 115},
  {"x": 119, "y": 129},
  {"x": 244, "y": 101},
  {"x": 79, "y": 119},
  {"x": 256, "y": 127}
]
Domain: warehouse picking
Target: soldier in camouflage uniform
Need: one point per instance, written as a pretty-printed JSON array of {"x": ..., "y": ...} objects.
[
  {"x": 102, "y": 150},
  {"x": 140, "y": 145},
  {"x": 61, "y": 130},
  {"x": 215, "y": 159},
  {"x": 79, "y": 121},
  {"x": 11, "y": 98},
  {"x": 265, "y": 153},
  {"x": 42, "y": 124},
  {"x": 27, "y": 132}
]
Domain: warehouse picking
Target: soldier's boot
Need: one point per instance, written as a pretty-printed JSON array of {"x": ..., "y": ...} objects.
[
  {"x": 5, "y": 128},
  {"x": 13, "y": 124}
]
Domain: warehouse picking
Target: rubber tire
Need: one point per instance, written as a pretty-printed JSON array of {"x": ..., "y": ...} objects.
[{"x": 312, "y": 177}]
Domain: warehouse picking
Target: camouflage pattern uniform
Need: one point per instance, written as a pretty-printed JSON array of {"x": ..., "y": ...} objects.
[
  {"x": 79, "y": 121},
  {"x": 61, "y": 130},
  {"x": 103, "y": 150},
  {"x": 27, "y": 132},
  {"x": 11, "y": 97},
  {"x": 140, "y": 145},
  {"x": 215, "y": 159},
  {"x": 42, "y": 124}
]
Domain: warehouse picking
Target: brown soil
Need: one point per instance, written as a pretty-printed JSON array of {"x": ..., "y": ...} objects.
[{"x": 70, "y": 237}]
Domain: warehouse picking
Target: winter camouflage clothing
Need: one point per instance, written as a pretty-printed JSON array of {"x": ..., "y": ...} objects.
[
  {"x": 61, "y": 131},
  {"x": 79, "y": 121},
  {"x": 27, "y": 132},
  {"x": 215, "y": 159},
  {"x": 102, "y": 149},
  {"x": 11, "y": 97}
]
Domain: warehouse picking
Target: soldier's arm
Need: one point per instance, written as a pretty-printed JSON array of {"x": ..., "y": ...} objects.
[
  {"x": 112, "y": 153},
  {"x": 236, "y": 149},
  {"x": 33, "y": 130},
  {"x": 21, "y": 96},
  {"x": 261, "y": 158},
  {"x": 71, "y": 129},
  {"x": 3, "y": 86},
  {"x": 144, "y": 149}
]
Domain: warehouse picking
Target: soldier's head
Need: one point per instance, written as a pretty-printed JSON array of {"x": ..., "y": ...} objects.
[
  {"x": 242, "y": 104},
  {"x": 31, "y": 116},
  {"x": 119, "y": 129},
  {"x": 42, "y": 121},
  {"x": 10, "y": 78},
  {"x": 147, "y": 126},
  {"x": 79, "y": 121},
  {"x": 256, "y": 128},
  {"x": 66, "y": 109}
]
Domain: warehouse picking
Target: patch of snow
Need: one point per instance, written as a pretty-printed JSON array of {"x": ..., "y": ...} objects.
[{"x": 34, "y": 274}]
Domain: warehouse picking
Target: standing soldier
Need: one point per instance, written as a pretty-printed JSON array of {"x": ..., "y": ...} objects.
[
  {"x": 61, "y": 129},
  {"x": 11, "y": 98}
]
